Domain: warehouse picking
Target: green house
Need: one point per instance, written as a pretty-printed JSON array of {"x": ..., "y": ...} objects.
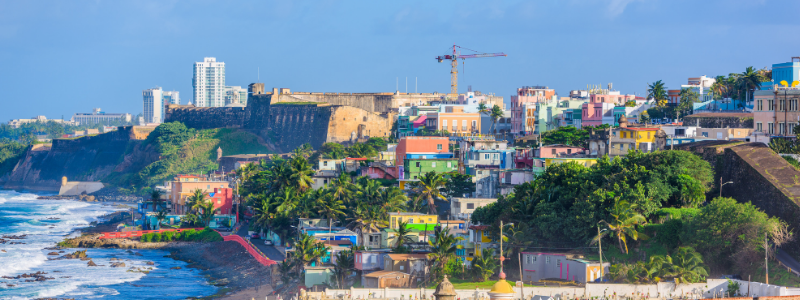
[{"x": 416, "y": 167}]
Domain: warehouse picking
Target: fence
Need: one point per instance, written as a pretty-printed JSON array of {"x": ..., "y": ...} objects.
[
  {"x": 138, "y": 233},
  {"x": 260, "y": 257}
]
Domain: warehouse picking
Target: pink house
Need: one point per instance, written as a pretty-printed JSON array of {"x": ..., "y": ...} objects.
[
  {"x": 553, "y": 151},
  {"x": 526, "y": 95},
  {"x": 602, "y": 105}
]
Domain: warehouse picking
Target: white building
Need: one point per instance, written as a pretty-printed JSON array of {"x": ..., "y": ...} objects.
[
  {"x": 171, "y": 97},
  {"x": 98, "y": 116},
  {"x": 208, "y": 83},
  {"x": 235, "y": 94},
  {"x": 701, "y": 85},
  {"x": 153, "y": 105},
  {"x": 16, "y": 123}
]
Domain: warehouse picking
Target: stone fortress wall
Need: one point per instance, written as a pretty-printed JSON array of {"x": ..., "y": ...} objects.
[{"x": 295, "y": 119}]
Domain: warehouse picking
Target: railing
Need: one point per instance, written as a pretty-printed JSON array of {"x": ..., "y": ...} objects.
[
  {"x": 257, "y": 254},
  {"x": 138, "y": 233}
]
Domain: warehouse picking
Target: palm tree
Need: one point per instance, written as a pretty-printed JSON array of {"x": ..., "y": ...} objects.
[
  {"x": 194, "y": 201},
  {"x": 160, "y": 216},
  {"x": 624, "y": 223},
  {"x": 443, "y": 247},
  {"x": 345, "y": 263},
  {"x": 341, "y": 188},
  {"x": 368, "y": 191},
  {"x": 482, "y": 108},
  {"x": 207, "y": 213},
  {"x": 749, "y": 81},
  {"x": 331, "y": 208},
  {"x": 496, "y": 113},
  {"x": 301, "y": 172},
  {"x": 392, "y": 199},
  {"x": 428, "y": 190},
  {"x": 155, "y": 197},
  {"x": 402, "y": 234},
  {"x": 285, "y": 268},
  {"x": 366, "y": 219},
  {"x": 483, "y": 266},
  {"x": 686, "y": 266},
  {"x": 307, "y": 250},
  {"x": 657, "y": 91}
]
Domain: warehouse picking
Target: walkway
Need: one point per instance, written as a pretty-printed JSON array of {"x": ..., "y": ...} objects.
[
  {"x": 788, "y": 261},
  {"x": 269, "y": 251}
]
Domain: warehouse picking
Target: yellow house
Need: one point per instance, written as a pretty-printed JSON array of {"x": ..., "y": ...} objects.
[
  {"x": 586, "y": 162},
  {"x": 415, "y": 220},
  {"x": 624, "y": 139}
]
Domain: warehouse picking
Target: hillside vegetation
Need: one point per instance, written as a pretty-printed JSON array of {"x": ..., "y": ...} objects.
[
  {"x": 184, "y": 150},
  {"x": 10, "y": 153}
]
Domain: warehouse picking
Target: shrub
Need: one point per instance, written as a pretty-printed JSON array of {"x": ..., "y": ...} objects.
[
  {"x": 156, "y": 237},
  {"x": 669, "y": 233},
  {"x": 168, "y": 236}
]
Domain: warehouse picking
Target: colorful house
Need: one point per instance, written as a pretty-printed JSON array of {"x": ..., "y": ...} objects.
[
  {"x": 415, "y": 220},
  {"x": 415, "y": 168},
  {"x": 557, "y": 150},
  {"x": 537, "y": 266},
  {"x": 645, "y": 139},
  {"x": 419, "y": 146},
  {"x": 586, "y": 162}
]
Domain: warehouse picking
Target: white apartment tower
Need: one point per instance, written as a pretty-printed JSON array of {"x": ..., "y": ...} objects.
[
  {"x": 208, "y": 83},
  {"x": 171, "y": 97},
  {"x": 153, "y": 105}
]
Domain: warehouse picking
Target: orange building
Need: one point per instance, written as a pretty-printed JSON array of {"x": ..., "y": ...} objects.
[
  {"x": 184, "y": 185},
  {"x": 421, "y": 144},
  {"x": 454, "y": 120}
]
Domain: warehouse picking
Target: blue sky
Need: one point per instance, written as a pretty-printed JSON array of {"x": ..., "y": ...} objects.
[{"x": 62, "y": 57}]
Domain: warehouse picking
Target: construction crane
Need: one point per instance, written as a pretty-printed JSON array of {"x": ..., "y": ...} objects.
[{"x": 454, "y": 71}]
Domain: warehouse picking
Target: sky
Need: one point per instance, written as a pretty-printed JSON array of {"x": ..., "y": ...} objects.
[{"x": 62, "y": 57}]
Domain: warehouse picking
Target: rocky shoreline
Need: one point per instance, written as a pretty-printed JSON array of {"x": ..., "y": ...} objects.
[{"x": 226, "y": 264}]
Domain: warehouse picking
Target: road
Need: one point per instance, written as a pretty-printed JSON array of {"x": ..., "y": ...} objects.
[
  {"x": 269, "y": 251},
  {"x": 787, "y": 260}
]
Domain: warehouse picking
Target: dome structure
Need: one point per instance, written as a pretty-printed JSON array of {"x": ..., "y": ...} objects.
[
  {"x": 623, "y": 121},
  {"x": 445, "y": 290}
]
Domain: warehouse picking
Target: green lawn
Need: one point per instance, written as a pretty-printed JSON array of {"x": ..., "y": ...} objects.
[{"x": 778, "y": 275}]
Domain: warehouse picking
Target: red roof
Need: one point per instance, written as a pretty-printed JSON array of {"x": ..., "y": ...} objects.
[
  {"x": 356, "y": 158},
  {"x": 641, "y": 128},
  {"x": 188, "y": 176},
  {"x": 479, "y": 227}
]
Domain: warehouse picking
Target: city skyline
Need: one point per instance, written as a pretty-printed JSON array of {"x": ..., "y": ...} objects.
[{"x": 370, "y": 47}]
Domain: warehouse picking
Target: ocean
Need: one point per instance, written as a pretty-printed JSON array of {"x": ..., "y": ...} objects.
[{"x": 46, "y": 222}]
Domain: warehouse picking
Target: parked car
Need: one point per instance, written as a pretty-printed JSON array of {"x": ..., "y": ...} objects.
[
  {"x": 255, "y": 236},
  {"x": 268, "y": 242}
]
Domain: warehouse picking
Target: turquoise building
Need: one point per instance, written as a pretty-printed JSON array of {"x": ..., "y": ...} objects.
[{"x": 788, "y": 71}]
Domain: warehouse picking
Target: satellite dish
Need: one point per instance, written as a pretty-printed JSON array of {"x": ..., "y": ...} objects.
[
  {"x": 795, "y": 83},
  {"x": 784, "y": 83}
]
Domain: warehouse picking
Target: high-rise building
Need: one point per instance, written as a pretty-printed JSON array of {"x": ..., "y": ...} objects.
[
  {"x": 235, "y": 94},
  {"x": 171, "y": 97},
  {"x": 208, "y": 83},
  {"x": 153, "y": 105}
]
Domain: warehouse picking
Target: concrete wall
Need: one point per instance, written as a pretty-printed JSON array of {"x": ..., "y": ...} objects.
[
  {"x": 75, "y": 188},
  {"x": 692, "y": 291},
  {"x": 720, "y": 120},
  {"x": 347, "y": 124}
]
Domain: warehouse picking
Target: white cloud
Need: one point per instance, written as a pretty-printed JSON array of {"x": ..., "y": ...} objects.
[{"x": 617, "y": 7}]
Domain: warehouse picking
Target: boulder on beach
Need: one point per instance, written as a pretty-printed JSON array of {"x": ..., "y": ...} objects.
[
  {"x": 52, "y": 253},
  {"x": 150, "y": 263},
  {"x": 76, "y": 254},
  {"x": 118, "y": 265},
  {"x": 175, "y": 268},
  {"x": 91, "y": 264}
]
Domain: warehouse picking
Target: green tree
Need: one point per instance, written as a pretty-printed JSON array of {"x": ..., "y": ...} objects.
[
  {"x": 331, "y": 208},
  {"x": 285, "y": 269},
  {"x": 482, "y": 108},
  {"x": 624, "y": 223},
  {"x": 402, "y": 235},
  {"x": 686, "y": 266},
  {"x": 332, "y": 151},
  {"x": 428, "y": 190},
  {"x": 300, "y": 174},
  {"x": 749, "y": 81},
  {"x": 343, "y": 268},
  {"x": 443, "y": 248},
  {"x": 485, "y": 265},
  {"x": 458, "y": 185},
  {"x": 496, "y": 113},
  {"x": 366, "y": 219},
  {"x": 207, "y": 213},
  {"x": 688, "y": 97},
  {"x": 195, "y": 200},
  {"x": 658, "y": 92}
]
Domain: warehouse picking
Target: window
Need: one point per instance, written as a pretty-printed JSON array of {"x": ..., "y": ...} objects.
[
  {"x": 325, "y": 163},
  {"x": 553, "y": 151},
  {"x": 449, "y": 164},
  {"x": 569, "y": 151},
  {"x": 791, "y": 127},
  {"x": 444, "y": 124},
  {"x": 474, "y": 125},
  {"x": 781, "y": 105},
  {"x": 781, "y": 128},
  {"x": 770, "y": 104},
  {"x": 433, "y": 164},
  {"x": 705, "y": 134},
  {"x": 411, "y": 221},
  {"x": 470, "y": 205},
  {"x": 208, "y": 186},
  {"x": 758, "y": 126},
  {"x": 418, "y": 164},
  {"x": 415, "y": 176},
  {"x": 438, "y": 146},
  {"x": 771, "y": 128},
  {"x": 648, "y": 135},
  {"x": 760, "y": 105},
  {"x": 547, "y": 259},
  {"x": 486, "y": 156}
]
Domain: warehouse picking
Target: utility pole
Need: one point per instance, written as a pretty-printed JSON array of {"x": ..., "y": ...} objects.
[
  {"x": 766, "y": 256},
  {"x": 600, "y": 249}
]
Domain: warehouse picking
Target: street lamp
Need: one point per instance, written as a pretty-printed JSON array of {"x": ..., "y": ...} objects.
[{"x": 721, "y": 185}]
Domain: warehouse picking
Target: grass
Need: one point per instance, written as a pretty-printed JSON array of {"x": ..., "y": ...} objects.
[
  {"x": 611, "y": 253},
  {"x": 778, "y": 275}
]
